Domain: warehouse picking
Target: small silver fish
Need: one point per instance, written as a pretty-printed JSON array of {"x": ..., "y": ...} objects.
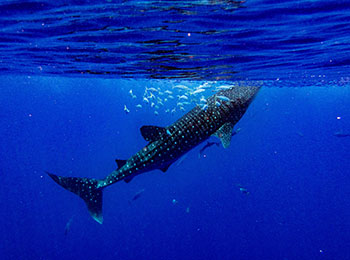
[
  {"x": 126, "y": 109},
  {"x": 152, "y": 89},
  {"x": 205, "y": 85},
  {"x": 203, "y": 100},
  {"x": 223, "y": 98},
  {"x": 244, "y": 190},
  {"x": 181, "y": 87},
  {"x": 197, "y": 91},
  {"x": 223, "y": 87},
  {"x": 183, "y": 97}
]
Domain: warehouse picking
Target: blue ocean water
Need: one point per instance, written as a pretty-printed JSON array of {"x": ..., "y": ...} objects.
[{"x": 72, "y": 78}]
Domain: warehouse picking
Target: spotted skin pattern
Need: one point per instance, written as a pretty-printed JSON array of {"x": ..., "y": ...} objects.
[{"x": 223, "y": 110}]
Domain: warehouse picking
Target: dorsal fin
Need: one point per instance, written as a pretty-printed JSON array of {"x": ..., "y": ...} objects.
[
  {"x": 224, "y": 133},
  {"x": 151, "y": 133},
  {"x": 120, "y": 163}
]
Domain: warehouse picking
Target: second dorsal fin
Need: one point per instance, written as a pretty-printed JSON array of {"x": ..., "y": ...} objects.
[
  {"x": 120, "y": 163},
  {"x": 151, "y": 133}
]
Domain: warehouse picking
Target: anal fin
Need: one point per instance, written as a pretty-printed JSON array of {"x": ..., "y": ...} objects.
[
  {"x": 164, "y": 169},
  {"x": 129, "y": 178}
]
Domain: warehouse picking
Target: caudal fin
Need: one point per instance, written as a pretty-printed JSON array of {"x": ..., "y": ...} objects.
[{"x": 87, "y": 189}]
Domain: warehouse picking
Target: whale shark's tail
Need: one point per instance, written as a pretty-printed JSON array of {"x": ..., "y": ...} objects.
[{"x": 90, "y": 190}]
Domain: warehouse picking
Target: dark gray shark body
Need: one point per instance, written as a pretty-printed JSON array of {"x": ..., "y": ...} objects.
[{"x": 167, "y": 144}]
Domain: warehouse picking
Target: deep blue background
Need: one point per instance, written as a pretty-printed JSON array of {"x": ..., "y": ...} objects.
[
  {"x": 296, "y": 170},
  {"x": 61, "y": 110}
]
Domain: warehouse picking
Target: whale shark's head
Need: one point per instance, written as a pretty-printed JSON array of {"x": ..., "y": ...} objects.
[
  {"x": 241, "y": 96},
  {"x": 236, "y": 97}
]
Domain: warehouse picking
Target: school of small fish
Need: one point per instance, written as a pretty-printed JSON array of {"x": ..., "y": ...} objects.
[{"x": 177, "y": 98}]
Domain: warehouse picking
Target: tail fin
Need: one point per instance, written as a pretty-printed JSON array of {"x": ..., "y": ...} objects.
[{"x": 87, "y": 189}]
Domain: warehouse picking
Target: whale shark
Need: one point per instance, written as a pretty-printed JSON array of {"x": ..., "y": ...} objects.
[{"x": 167, "y": 144}]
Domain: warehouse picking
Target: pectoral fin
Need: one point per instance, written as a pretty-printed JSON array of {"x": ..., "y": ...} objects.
[{"x": 224, "y": 133}]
